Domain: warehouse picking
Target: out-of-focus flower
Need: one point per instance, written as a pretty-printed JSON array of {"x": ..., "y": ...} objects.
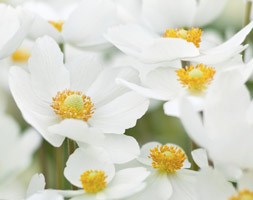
[
  {"x": 226, "y": 128},
  {"x": 120, "y": 148},
  {"x": 91, "y": 170},
  {"x": 36, "y": 190},
  {"x": 210, "y": 182},
  {"x": 16, "y": 150},
  {"x": 72, "y": 23},
  {"x": 169, "y": 178},
  {"x": 182, "y": 44},
  {"x": 82, "y": 90},
  {"x": 12, "y": 34},
  {"x": 161, "y": 14},
  {"x": 192, "y": 82}
]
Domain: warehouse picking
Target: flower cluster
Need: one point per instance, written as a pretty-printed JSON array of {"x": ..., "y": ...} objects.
[{"x": 83, "y": 72}]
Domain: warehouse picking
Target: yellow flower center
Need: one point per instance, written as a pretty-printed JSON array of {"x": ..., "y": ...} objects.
[
  {"x": 57, "y": 24},
  {"x": 196, "y": 79},
  {"x": 192, "y": 35},
  {"x": 73, "y": 104},
  {"x": 20, "y": 55},
  {"x": 243, "y": 195},
  {"x": 167, "y": 158},
  {"x": 93, "y": 181}
]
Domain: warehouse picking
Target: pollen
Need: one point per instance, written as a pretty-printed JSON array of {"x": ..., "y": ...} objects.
[
  {"x": 192, "y": 35},
  {"x": 243, "y": 195},
  {"x": 57, "y": 24},
  {"x": 21, "y": 55},
  {"x": 167, "y": 158},
  {"x": 196, "y": 79},
  {"x": 93, "y": 181},
  {"x": 73, "y": 104}
]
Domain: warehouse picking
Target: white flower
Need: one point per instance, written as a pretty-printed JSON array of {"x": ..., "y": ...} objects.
[
  {"x": 226, "y": 128},
  {"x": 168, "y": 179},
  {"x": 159, "y": 14},
  {"x": 152, "y": 47},
  {"x": 193, "y": 82},
  {"x": 36, "y": 190},
  {"x": 82, "y": 90},
  {"x": 120, "y": 148},
  {"x": 211, "y": 182},
  {"x": 81, "y": 24},
  {"x": 91, "y": 170},
  {"x": 12, "y": 34}
]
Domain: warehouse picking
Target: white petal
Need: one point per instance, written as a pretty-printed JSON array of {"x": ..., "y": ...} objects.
[
  {"x": 192, "y": 123},
  {"x": 230, "y": 172},
  {"x": 83, "y": 72},
  {"x": 36, "y": 184},
  {"x": 172, "y": 108},
  {"x": 163, "y": 14},
  {"x": 77, "y": 130},
  {"x": 90, "y": 32},
  {"x": 183, "y": 185},
  {"x": 149, "y": 93},
  {"x": 168, "y": 49},
  {"x": 126, "y": 182},
  {"x": 200, "y": 157},
  {"x": 210, "y": 182},
  {"x": 121, "y": 148},
  {"x": 42, "y": 27},
  {"x": 158, "y": 187},
  {"x": 35, "y": 111},
  {"x": 48, "y": 73},
  {"x": 46, "y": 195},
  {"x": 104, "y": 89},
  {"x": 246, "y": 181},
  {"x": 131, "y": 39},
  {"x": 120, "y": 114},
  {"x": 14, "y": 27},
  {"x": 207, "y": 11},
  {"x": 87, "y": 159},
  {"x": 145, "y": 152}
]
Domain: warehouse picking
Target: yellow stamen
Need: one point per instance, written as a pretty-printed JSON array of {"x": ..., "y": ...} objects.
[
  {"x": 196, "y": 79},
  {"x": 167, "y": 158},
  {"x": 192, "y": 35},
  {"x": 93, "y": 181},
  {"x": 57, "y": 24},
  {"x": 73, "y": 104},
  {"x": 243, "y": 195},
  {"x": 20, "y": 55}
]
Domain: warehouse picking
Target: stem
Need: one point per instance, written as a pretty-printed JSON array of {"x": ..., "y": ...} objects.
[
  {"x": 59, "y": 157},
  {"x": 246, "y": 21},
  {"x": 43, "y": 159}
]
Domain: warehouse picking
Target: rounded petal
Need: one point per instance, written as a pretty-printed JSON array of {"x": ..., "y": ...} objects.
[
  {"x": 87, "y": 159},
  {"x": 48, "y": 73},
  {"x": 245, "y": 181},
  {"x": 200, "y": 157},
  {"x": 12, "y": 34},
  {"x": 163, "y": 14},
  {"x": 36, "y": 184},
  {"x": 90, "y": 32},
  {"x": 35, "y": 111},
  {"x": 126, "y": 182},
  {"x": 46, "y": 195},
  {"x": 121, "y": 148},
  {"x": 120, "y": 114},
  {"x": 158, "y": 187},
  {"x": 145, "y": 152}
]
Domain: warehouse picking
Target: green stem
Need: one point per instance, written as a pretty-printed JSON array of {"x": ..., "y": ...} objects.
[
  {"x": 43, "y": 159},
  {"x": 59, "y": 158},
  {"x": 247, "y": 15}
]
